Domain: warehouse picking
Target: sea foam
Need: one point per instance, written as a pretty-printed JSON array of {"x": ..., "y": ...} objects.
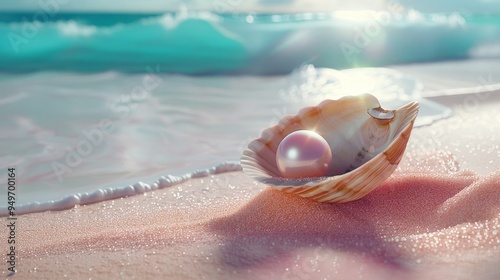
[{"x": 100, "y": 195}]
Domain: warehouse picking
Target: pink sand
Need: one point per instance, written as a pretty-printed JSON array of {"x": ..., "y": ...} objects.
[
  {"x": 433, "y": 219},
  {"x": 413, "y": 226}
]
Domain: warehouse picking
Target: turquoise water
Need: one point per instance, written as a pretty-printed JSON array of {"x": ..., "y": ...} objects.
[{"x": 209, "y": 43}]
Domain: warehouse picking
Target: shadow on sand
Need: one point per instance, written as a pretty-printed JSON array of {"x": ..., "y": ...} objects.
[{"x": 273, "y": 225}]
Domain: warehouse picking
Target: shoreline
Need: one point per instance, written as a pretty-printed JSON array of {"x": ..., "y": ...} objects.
[
  {"x": 436, "y": 216},
  {"x": 99, "y": 195}
]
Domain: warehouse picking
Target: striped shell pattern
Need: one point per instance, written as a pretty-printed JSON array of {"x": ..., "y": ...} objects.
[{"x": 367, "y": 143}]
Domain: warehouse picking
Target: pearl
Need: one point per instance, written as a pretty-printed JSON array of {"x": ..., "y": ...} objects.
[{"x": 303, "y": 154}]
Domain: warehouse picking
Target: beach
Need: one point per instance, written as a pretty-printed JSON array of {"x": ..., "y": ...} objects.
[
  {"x": 123, "y": 126},
  {"x": 436, "y": 217}
]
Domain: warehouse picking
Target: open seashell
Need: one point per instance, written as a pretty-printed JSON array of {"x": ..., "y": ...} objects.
[{"x": 367, "y": 144}]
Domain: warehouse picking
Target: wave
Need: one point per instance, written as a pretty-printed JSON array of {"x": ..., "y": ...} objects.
[{"x": 209, "y": 43}]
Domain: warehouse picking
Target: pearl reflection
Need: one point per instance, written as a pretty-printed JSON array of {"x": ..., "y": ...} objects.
[
  {"x": 302, "y": 154},
  {"x": 292, "y": 153}
]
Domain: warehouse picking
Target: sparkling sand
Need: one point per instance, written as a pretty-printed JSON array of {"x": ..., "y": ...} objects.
[{"x": 437, "y": 217}]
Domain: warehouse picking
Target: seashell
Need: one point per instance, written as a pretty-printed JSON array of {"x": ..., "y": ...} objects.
[{"x": 367, "y": 144}]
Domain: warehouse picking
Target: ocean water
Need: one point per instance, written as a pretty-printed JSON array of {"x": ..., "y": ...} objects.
[
  {"x": 209, "y": 43},
  {"x": 92, "y": 104}
]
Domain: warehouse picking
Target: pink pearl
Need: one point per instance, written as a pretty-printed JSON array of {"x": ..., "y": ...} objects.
[{"x": 303, "y": 154}]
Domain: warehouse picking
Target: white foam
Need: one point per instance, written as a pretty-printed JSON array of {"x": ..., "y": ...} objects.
[
  {"x": 486, "y": 50},
  {"x": 100, "y": 195},
  {"x": 72, "y": 28}
]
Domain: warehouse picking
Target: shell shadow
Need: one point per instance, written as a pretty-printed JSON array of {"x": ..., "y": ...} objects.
[{"x": 274, "y": 224}]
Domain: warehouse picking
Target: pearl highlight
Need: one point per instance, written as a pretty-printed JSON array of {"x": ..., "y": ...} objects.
[{"x": 302, "y": 154}]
